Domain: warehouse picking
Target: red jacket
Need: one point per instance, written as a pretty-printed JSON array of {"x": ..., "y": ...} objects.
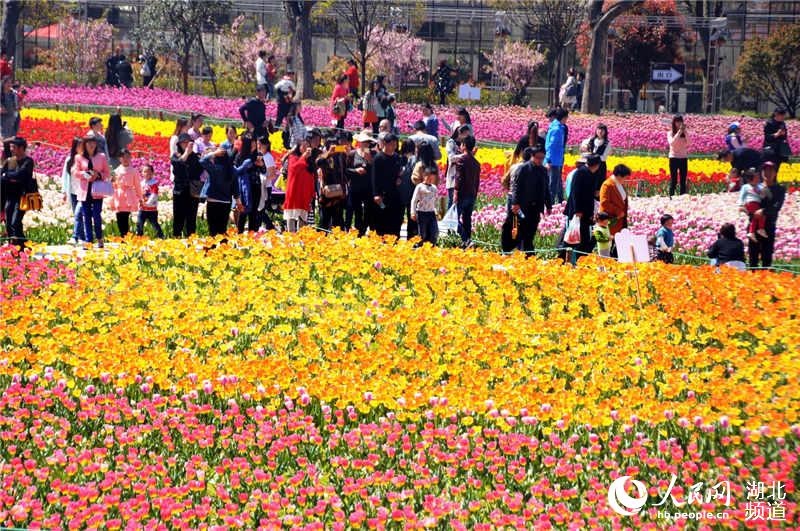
[
  {"x": 299, "y": 185},
  {"x": 352, "y": 75},
  {"x": 339, "y": 92}
]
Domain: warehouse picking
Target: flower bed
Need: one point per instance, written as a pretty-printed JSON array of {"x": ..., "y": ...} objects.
[
  {"x": 366, "y": 385},
  {"x": 501, "y": 123},
  {"x": 697, "y": 221}
]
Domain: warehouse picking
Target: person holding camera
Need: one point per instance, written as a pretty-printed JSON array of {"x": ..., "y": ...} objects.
[
  {"x": 186, "y": 171},
  {"x": 248, "y": 165},
  {"x": 332, "y": 184},
  {"x": 359, "y": 172},
  {"x": 776, "y": 139},
  {"x": 221, "y": 188},
  {"x": 254, "y": 112},
  {"x": 678, "y": 154},
  {"x": 17, "y": 178}
]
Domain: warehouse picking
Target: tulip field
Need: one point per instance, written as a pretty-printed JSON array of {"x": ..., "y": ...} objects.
[{"x": 324, "y": 381}]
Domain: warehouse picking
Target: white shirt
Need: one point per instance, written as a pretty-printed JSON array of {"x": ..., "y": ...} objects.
[
  {"x": 285, "y": 85},
  {"x": 266, "y": 179},
  {"x": 424, "y": 198},
  {"x": 261, "y": 72},
  {"x": 431, "y": 140}
]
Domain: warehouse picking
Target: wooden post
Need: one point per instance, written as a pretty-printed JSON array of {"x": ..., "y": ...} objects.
[{"x": 636, "y": 275}]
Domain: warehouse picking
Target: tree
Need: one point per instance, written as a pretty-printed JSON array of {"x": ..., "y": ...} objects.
[
  {"x": 185, "y": 22},
  {"x": 601, "y": 14},
  {"x": 401, "y": 53},
  {"x": 82, "y": 48},
  {"x": 644, "y": 38},
  {"x": 363, "y": 17},
  {"x": 242, "y": 48},
  {"x": 298, "y": 13},
  {"x": 554, "y": 23},
  {"x": 770, "y": 68},
  {"x": 11, "y": 12},
  {"x": 516, "y": 64}
]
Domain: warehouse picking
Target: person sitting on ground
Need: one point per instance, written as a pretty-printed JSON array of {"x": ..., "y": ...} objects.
[{"x": 727, "y": 248}]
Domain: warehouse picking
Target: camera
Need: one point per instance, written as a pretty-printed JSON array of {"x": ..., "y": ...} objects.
[{"x": 338, "y": 149}]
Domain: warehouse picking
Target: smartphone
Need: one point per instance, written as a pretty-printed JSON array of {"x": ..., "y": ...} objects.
[{"x": 338, "y": 149}]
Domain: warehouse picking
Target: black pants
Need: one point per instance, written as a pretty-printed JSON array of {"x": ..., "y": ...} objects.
[
  {"x": 665, "y": 256},
  {"x": 442, "y": 98},
  {"x": 360, "y": 201},
  {"x": 283, "y": 110},
  {"x": 184, "y": 214},
  {"x": 332, "y": 216},
  {"x": 146, "y": 80},
  {"x": 149, "y": 216},
  {"x": 124, "y": 223},
  {"x": 762, "y": 248},
  {"x": 677, "y": 166},
  {"x": 527, "y": 231},
  {"x": 412, "y": 228},
  {"x": 217, "y": 215},
  {"x": 340, "y": 122},
  {"x": 389, "y": 220},
  {"x": 13, "y": 219},
  {"x": 428, "y": 227},
  {"x": 252, "y": 218}
]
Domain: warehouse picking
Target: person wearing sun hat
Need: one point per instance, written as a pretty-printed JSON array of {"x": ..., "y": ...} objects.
[
  {"x": 359, "y": 172},
  {"x": 734, "y": 138}
]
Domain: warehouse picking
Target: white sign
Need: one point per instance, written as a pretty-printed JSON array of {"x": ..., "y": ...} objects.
[
  {"x": 468, "y": 92},
  {"x": 669, "y": 75},
  {"x": 631, "y": 247}
]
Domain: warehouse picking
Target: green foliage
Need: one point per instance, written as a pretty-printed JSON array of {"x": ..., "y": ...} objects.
[{"x": 770, "y": 68}]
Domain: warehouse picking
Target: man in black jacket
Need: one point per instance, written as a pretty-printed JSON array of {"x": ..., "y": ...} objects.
[
  {"x": 386, "y": 178},
  {"x": 776, "y": 141},
  {"x": 770, "y": 207},
  {"x": 530, "y": 196},
  {"x": 17, "y": 176},
  {"x": 254, "y": 112},
  {"x": 580, "y": 204},
  {"x": 125, "y": 72},
  {"x": 741, "y": 159}
]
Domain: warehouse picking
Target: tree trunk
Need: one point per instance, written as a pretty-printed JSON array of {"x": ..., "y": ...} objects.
[
  {"x": 306, "y": 74},
  {"x": 593, "y": 84},
  {"x": 185, "y": 73},
  {"x": 210, "y": 68},
  {"x": 8, "y": 40}
]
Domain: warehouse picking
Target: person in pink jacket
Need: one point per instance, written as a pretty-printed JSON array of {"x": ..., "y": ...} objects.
[
  {"x": 340, "y": 101},
  {"x": 127, "y": 192},
  {"x": 90, "y": 170},
  {"x": 678, "y": 141}
]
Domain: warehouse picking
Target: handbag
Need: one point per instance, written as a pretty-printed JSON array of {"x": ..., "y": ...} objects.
[
  {"x": 101, "y": 189},
  {"x": 340, "y": 108},
  {"x": 31, "y": 201},
  {"x": 333, "y": 191},
  {"x": 573, "y": 234},
  {"x": 509, "y": 234}
]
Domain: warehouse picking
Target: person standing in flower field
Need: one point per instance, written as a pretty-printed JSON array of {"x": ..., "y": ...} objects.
[
  {"x": 665, "y": 240},
  {"x": 465, "y": 190},
  {"x": 254, "y": 112},
  {"x": 776, "y": 139},
  {"x": 340, "y": 101},
  {"x": 91, "y": 168},
  {"x": 148, "y": 205},
  {"x": 70, "y": 188},
  {"x": 530, "y": 197},
  {"x": 602, "y": 235},
  {"x": 222, "y": 187},
  {"x": 423, "y": 206},
  {"x": 387, "y": 210},
  {"x": 352, "y": 76},
  {"x": 581, "y": 206},
  {"x": 555, "y": 144},
  {"x": 187, "y": 172},
  {"x": 284, "y": 92},
  {"x": 771, "y": 204},
  {"x": 195, "y": 125},
  {"x": 96, "y": 129},
  {"x": 17, "y": 178},
  {"x": 300, "y": 188},
  {"x": 453, "y": 151},
  {"x": 127, "y": 192},
  {"x": 261, "y": 69},
  {"x": 678, "y": 141}
]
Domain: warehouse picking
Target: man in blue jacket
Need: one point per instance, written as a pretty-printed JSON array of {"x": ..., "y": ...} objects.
[{"x": 554, "y": 145}]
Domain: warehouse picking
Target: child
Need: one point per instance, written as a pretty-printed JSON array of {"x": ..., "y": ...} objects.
[
  {"x": 665, "y": 240},
  {"x": 204, "y": 144},
  {"x": 602, "y": 235},
  {"x": 750, "y": 197},
  {"x": 127, "y": 192},
  {"x": 423, "y": 206},
  {"x": 148, "y": 207}
]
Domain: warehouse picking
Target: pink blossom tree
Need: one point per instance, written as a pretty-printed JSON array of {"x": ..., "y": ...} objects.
[
  {"x": 516, "y": 64},
  {"x": 241, "y": 48},
  {"x": 83, "y": 47},
  {"x": 398, "y": 55}
]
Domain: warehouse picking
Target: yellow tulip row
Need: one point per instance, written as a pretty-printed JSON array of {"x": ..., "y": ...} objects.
[{"x": 353, "y": 321}]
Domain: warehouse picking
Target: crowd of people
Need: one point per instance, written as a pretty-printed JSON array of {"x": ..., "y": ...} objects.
[{"x": 373, "y": 181}]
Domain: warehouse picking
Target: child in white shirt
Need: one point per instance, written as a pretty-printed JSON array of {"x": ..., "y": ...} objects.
[
  {"x": 423, "y": 206},
  {"x": 750, "y": 197}
]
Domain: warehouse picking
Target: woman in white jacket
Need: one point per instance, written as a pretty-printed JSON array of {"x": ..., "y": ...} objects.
[{"x": 69, "y": 187}]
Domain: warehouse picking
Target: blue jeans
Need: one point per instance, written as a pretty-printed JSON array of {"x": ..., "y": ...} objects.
[
  {"x": 91, "y": 210},
  {"x": 464, "y": 207},
  {"x": 428, "y": 226},
  {"x": 77, "y": 228},
  {"x": 150, "y": 216},
  {"x": 556, "y": 186}
]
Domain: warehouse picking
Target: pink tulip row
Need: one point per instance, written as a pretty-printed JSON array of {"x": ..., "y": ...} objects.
[
  {"x": 92, "y": 454},
  {"x": 23, "y": 276},
  {"x": 697, "y": 221},
  {"x": 499, "y": 123}
]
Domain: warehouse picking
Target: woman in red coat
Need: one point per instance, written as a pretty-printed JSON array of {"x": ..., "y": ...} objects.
[
  {"x": 300, "y": 181},
  {"x": 340, "y": 98}
]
